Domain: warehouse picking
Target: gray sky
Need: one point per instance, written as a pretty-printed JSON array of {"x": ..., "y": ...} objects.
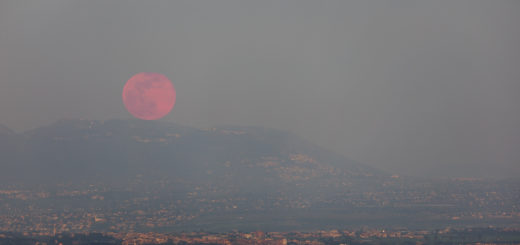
[{"x": 412, "y": 87}]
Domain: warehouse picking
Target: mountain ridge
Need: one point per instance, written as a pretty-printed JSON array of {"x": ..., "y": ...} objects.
[
  {"x": 125, "y": 148},
  {"x": 5, "y": 130}
]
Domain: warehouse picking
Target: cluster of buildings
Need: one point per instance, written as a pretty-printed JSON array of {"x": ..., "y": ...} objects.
[
  {"x": 70, "y": 209},
  {"x": 324, "y": 237}
]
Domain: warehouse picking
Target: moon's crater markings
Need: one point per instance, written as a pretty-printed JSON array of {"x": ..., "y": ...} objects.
[{"x": 149, "y": 96}]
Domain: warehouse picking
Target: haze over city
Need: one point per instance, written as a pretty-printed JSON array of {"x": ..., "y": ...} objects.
[
  {"x": 259, "y": 122},
  {"x": 427, "y": 88}
]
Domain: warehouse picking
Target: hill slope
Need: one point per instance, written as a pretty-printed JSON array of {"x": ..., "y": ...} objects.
[{"x": 118, "y": 150}]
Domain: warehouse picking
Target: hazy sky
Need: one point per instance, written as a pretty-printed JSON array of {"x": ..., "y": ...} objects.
[{"x": 414, "y": 87}]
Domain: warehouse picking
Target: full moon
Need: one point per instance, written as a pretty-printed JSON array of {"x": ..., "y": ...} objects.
[{"x": 149, "y": 96}]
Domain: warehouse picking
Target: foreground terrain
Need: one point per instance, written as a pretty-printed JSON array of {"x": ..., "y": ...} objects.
[{"x": 336, "y": 237}]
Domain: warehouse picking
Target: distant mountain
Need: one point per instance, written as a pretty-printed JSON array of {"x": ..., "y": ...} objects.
[
  {"x": 10, "y": 144},
  {"x": 118, "y": 150},
  {"x": 5, "y": 130}
]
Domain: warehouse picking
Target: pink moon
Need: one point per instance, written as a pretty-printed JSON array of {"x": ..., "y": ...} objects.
[{"x": 149, "y": 96}]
